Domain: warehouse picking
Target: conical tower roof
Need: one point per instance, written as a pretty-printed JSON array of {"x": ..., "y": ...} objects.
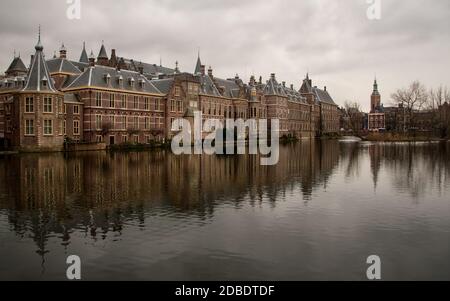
[
  {"x": 17, "y": 65},
  {"x": 39, "y": 78},
  {"x": 84, "y": 57}
]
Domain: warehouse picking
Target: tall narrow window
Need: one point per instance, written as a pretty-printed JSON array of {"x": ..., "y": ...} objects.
[
  {"x": 111, "y": 100},
  {"x": 48, "y": 105},
  {"x": 76, "y": 127},
  {"x": 29, "y": 127},
  {"x": 98, "y": 99},
  {"x": 29, "y": 105},
  {"x": 76, "y": 110},
  {"x": 124, "y": 102},
  {"x": 98, "y": 122},
  {"x": 147, "y": 103},
  {"x": 135, "y": 102},
  {"x": 48, "y": 127}
]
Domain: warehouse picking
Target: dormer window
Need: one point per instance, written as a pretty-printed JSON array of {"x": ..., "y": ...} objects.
[
  {"x": 107, "y": 78},
  {"x": 141, "y": 83},
  {"x": 120, "y": 80},
  {"x": 45, "y": 81},
  {"x": 131, "y": 82}
]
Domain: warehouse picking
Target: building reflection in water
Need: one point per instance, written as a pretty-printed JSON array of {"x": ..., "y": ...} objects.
[{"x": 98, "y": 193}]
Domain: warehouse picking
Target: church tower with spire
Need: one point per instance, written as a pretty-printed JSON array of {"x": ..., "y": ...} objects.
[
  {"x": 377, "y": 117},
  {"x": 375, "y": 99}
]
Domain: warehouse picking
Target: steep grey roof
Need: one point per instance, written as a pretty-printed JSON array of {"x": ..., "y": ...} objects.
[
  {"x": 60, "y": 65},
  {"x": 152, "y": 69},
  {"x": 294, "y": 95},
  {"x": 17, "y": 65},
  {"x": 81, "y": 66},
  {"x": 163, "y": 85},
  {"x": 207, "y": 86},
  {"x": 70, "y": 97},
  {"x": 84, "y": 57},
  {"x": 274, "y": 88},
  {"x": 198, "y": 66},
  {"x": 97, "y": 77},
  {"x": 102, "y": 54},
  {"x": 306, "y": 86},
  {"x": 231, "y": 88},
  {"x": 39, "y": 73},
  {"x": 323, "y": 96}
]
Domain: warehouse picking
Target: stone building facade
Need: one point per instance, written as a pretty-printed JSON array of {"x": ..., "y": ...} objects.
[{"x": 116, "y": 100}]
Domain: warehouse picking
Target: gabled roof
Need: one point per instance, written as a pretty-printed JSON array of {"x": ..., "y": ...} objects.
[
  {"x": 323, "y": 96},
  {"x": 163, "y": 85},
  {"x": 306, "y": 86},
  {"x": 294, "y": 95},
  {"x": 207, "y": 86},
  {"x": 39, "y": 78},
  {"x": 17, "y": 65},
  {"x": 61, "y": 65},
  {"x": 96, "y": 77},
  {"x": 231, "y": 88},
  {"x": 274, "y": 88}
]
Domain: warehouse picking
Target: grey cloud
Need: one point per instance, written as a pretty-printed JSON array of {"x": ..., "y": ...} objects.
[{"x": 333, "y": 40}]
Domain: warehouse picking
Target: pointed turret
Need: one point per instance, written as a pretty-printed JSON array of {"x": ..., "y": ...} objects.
[
  {"x": 198, "y": 66},
  {"x": 375, "y": 88},
  {"x": 84, "y": 57},
  {"x": 102, "y": 58},
  {"x": 17, "y": 67},
  {"x": 39, "y": 78}
]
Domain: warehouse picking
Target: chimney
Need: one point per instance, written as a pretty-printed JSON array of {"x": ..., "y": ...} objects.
[
  {"x": 284, "y": 84},
  {"x": 325, "y": 88},
  {"x": 292, "y": 87},
  {"x": 62, "y": 52},
  {"x": 272, "y": 76},
  {"x": 210, "y": 72},
  {"x": 260, "y": 80},
  {"x": 202, "y": 69},
  {"x": 252, "y": 80},
  {"x": 92, "y": 59},
  {"x": 141, "y": 68}
]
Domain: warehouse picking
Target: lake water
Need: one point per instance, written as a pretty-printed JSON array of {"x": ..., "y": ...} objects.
[{"x": 317, "y": 215}]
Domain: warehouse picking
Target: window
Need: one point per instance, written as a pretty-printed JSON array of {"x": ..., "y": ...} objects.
[
  {"x": 136, "y": 139},
  {"x": 48, "y": 106},
  {"x": 76, "y": 127},
  {"x": 172, "y": 105},
  {"x": 177, "y": 91},
  {"x": 48, "y": 127},
  {"x": 64, "y": 127},
  {"x": 124, "y": 101},
  {"x": 98, "y": 122},
  {"x": 147, "y": 123},
  {"x": 29, "y": 127},
  {"x": 179, "y": 106},
  {"x": 29, "y": 105},
  {"x": 99, "y": 138},
  {"x": 135, "y": 102},
  {"x": 111, "y": 100},
  {"x": 98, "y": 99},
  {"x": 76, "y": 110},
  {"x": 135, "y": 122},
  {"x": 146, "y": 104}
]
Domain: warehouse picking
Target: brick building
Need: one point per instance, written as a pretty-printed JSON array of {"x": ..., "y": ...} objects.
[
  {"x": 119, "y": 100},
  {"x": 377, "y": 116}
]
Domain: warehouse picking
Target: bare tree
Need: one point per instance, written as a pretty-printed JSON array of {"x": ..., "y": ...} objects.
[
  {"x": 438, "y": 97},
  {"x": 355, "y": 116},
  {"x": 413, "y": 98}
]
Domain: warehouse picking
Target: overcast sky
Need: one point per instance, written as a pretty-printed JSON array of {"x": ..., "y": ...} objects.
[{"x": 333, "y": 40}]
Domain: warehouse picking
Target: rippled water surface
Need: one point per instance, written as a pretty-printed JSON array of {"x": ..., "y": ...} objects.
[{"x": 317, "y": 215}]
